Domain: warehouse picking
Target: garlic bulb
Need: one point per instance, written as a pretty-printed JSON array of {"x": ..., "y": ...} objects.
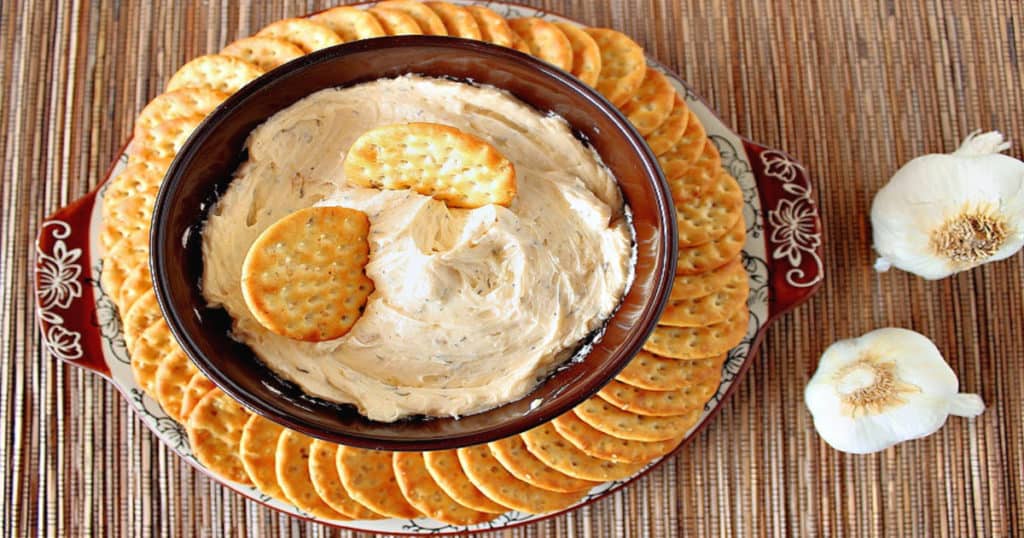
[
  {"x": 945, "y": 213},
  {"x": 888, "y": 386}
]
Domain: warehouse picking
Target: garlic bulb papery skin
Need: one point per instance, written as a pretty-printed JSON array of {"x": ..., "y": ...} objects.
[
  {"x": 888, "y": 386},
  {"x": 945, "y": 213}
]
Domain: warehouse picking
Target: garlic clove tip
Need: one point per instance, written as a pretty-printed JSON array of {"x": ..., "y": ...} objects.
[
  {"x": 979, "y": 144},
  {"x": 882, "y": 265},
  {"x": 966, "y": 405}
]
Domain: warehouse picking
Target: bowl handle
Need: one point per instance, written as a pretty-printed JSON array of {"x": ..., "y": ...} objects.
[
  {"x": 792, "y": 227},
  {"x": 64, "y": 287}
]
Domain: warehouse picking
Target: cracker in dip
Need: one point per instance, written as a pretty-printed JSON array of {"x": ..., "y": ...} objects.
[{"x": 472, "y": 307}]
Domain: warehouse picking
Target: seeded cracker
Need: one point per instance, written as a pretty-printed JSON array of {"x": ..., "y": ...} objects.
[
  {"x": 649, "y": 371},
  {"x": 258, "y": 452},
  {"x": 487, "y": 474},
  {"x": 304, "y": 276},
  {"x": 699, "y": 342},
  {"x": 555, "y": 451},
  {"x": 701, "y": 284},
  {"x": 369, "y": 478},
  {"x": 423, "y": 492},
  {"x": 445, "y": 469},
  {"x": 432, "y": 159},
  {"x": 659, "y": 403},
  {"x": 292, "y": 465},
  {"x": 513, "y": 455},
  {"x": 609, "y": 419},
  {"x": 197, "y": 388},
  {"x": 323, "y": 471},
  {"x": 607, "y": 447},
  {"x": 707, "y": 309}
]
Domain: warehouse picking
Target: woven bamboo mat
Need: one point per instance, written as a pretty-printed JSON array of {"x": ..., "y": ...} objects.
[{"x": 853, "y": 89}]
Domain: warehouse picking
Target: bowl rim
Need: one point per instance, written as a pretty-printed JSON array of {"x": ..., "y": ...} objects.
[{"x": 627, "y": 349}]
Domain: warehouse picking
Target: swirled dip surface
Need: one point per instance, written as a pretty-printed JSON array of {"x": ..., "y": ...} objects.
[{"x": 472, "y": 308}]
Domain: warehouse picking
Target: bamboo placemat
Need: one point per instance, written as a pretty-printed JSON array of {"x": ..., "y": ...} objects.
[{"x": 853, "y": 89}]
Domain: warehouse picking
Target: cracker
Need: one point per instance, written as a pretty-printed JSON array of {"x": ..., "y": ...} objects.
[
  {"x": 709, "y": 159},
  {"x": 555, "y": 451},
  {"x": 445, "y": 469},
  {"x": 701, "y": 284},
  {"x": 151, "y": 347},
  {"x": 652, "y": 102},
  {"x": 144, "y": 313},
  {"x": 307, "y": 34},
  {"x": 428, "y": 21},
  {"x": 609, "y": 419},
  {"x": 432, "y": 159},
  {"x": 178, "y": 104},
  {"x": 586, "y": 55},
  {"x": 350, "y": 23},
  {"x": 216, "y": 72},
  {"x": 699, "y": 342},
  {"x": 423, "y": 492},
  {"x": 711, "y": 214},
  {"x": 264, "y": 52},
  {"x": 545, "y": 41},
  {"x": 291, "y": 462},
  {"x": 215, "y": 433},
  {"x": 369, "y": 478},
  {"x": 257, "y": 450},
  {"x": 513, "y": 455},
  {"x": 138, "y": 282},
  {"x": 126, "y": 255},
  {"x": 687, "y": 182},
  {"x": 707, "y": 309},
  {"x": 396, "y": 22},
  {"x": 166, "y": 139},
  {"x": 172, "y": 376},
  {"x": 649, "y": 371},
  {"x": 497, "y": 483},
  {"x": 196, "y": 388},
  {"x": 493, "y": 27},
  {"x": 521, "y": 45},
  {"x": 323, "y": 471},
  {"x": 659, "y": 403},
  {"x": 127, "y": 220},
  {"x": 688, "y": 148},
  {"x": 458, "y": 21},
  {"x": 671, "y": 130},
  {"x": 607, "y": 447},
  {"x": 304, "y": 276},
  {"x": 713, "y": 254},
  {"x": 622, "y": 64}
]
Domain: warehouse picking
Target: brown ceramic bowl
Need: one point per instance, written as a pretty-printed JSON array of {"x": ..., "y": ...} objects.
[{"x": 204, "y": 168}]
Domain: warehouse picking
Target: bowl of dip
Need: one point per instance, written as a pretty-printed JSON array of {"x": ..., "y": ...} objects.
[{"x": 483, "y": 323}]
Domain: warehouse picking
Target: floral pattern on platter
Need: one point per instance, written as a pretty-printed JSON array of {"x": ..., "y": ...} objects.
[{"x": 62, "y": 274}]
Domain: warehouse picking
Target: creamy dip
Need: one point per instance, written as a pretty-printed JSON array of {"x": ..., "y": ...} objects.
[{"x": 472, "y": 308}]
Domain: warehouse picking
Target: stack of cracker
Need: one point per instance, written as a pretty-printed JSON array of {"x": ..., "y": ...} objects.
[{"x": 639, "y": 417}]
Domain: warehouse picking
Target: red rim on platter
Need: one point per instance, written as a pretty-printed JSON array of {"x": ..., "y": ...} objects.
[{"x": 783, "y": 255}]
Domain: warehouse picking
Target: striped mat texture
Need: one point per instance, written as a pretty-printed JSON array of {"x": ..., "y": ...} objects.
[{"x": 852, "y": 89}]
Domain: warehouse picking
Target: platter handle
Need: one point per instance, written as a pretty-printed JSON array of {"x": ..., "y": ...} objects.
[
  {"x": 792, "y": 227},
  {"x": 64, "y": 287}
]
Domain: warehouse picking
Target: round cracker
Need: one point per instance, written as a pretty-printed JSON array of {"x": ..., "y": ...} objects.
[
  {"x": 687, "y": 149},
  {"x": 671, "y": 130},
  {"x": 512, "y": 453},
  {"x": 395, "y": 21},
  {"x": 215, "y": 432},
  {"x": 709, "y": 159},
  {"x": 445, "y": 469},
  {"x": 707, "y": 309},
  {"x": 699, "y": 342},
  {"x": 458, "y": 21},
  {"x": 660, "y": 403},
  {"x": 428, "y": 21},
  {"x": 350, "y": 23},
  {"x": 151, "y": 348},
  {"x": 545, "y": 41},
  {"x": 607, "y": 447},
  {"x": 125, "y": 256},
  {"x": 701, "y": 284},
  {"x": 144, "y": 313},
  {"x": 649, "y": 371},
  {"x": 216, "y": 72},
  {"x": 555, "y": 451},
  {"x": 497, "y": 483},
  {"x": 713, "y": 254},
  {"x": 306, "y": 34},
  {"x": 198, "y": 387},
  {"x": 652, "y": 102},
  {"x": 139, "y": 281},
  {"x": 125, "y": 218},
  {"x": 257, "y": 450},
  {"x": 178, "y": 104},
  {"x": 622, "y": 64},
  {"x": 687, "y": 182},
  {"x": 493, "y": 27},
  {"x": 263, "y": 51},
  {"x": 609, "y": 419},
  {"x": 586, "y": 55},
  {"x": 369, "y": 478},
  {"x": 164, "y": 140},
  {"x": 423, "y": 492},
  {"x": 323, "y": 471},
  {"x": 291, "y": 463},
  {"x": 172, "y": 377},
  {"x": 711, "y": 214},
  {"x": 304, "y": 276}
]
